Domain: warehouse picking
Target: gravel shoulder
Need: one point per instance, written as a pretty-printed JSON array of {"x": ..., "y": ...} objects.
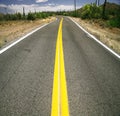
[
  {"x": 11, "y": 30},
  {"x": 109, "y": 36}
]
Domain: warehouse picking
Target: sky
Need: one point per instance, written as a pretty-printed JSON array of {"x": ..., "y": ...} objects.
[{"x": 13, "y": 6}]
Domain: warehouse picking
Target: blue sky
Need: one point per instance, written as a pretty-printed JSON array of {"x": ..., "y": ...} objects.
[{"x": 12, "y": 6}]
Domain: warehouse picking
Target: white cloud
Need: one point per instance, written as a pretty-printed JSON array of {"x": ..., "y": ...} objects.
[
  {"x": 3, "y": 5},
  {"x": 35, "y": 7},
  {"x": 51, "y": 4},
  {"x": 38, "y": 1},
  {"x": 19, "y": 0}
]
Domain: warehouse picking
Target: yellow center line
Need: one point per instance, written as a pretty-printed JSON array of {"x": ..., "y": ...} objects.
[{"x": 60, "y": 105}]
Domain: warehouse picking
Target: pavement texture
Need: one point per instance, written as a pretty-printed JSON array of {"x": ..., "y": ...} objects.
[
  {"x": 27, "y": 70},
  {"x": 93, "y": 75},
  {"x": 26, "y": 75}
]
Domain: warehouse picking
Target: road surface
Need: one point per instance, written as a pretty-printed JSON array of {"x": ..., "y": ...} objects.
[{"x": 27, "y": 74}]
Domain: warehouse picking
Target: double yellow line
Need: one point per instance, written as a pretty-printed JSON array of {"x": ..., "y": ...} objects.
[{"x": 59, "y": 97}]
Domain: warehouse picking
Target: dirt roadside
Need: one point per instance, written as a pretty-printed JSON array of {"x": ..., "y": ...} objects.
[
  {"x": 109, "y": 36},
  {"x": 11, "y": 30}
]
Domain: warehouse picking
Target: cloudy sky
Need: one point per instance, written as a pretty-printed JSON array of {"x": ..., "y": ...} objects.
[{"x": 12, "y": 6}]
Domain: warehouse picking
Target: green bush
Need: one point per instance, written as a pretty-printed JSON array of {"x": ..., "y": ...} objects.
[
  {"x": 31, "y": 16},
  {"x": 115, "y": 22},
  {"x": 6, "y": 17},
  {"x": 90, "y": 11},
  {"x": 86, "y": 12},
  {"x": 19, "y": 16},
  {"x": 1, "y": 17}
]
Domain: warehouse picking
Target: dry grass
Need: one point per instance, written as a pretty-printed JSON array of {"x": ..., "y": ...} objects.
[
  {"x": 109, "y": 36},
  {"x": 10, "y": 30}
]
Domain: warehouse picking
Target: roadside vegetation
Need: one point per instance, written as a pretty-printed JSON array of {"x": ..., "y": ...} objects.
[
  {"x": 29, "y": 16},
  {"x": 16, "y": 25},
  {"x": 104, "y": 25},
  {"x": 111, "y": 17},
  {"x": 13, "y": 26},
  {"x": 107, "y": 14},
  {"x": 103, "y": 21},
  {"x": 108, "y": 17}
]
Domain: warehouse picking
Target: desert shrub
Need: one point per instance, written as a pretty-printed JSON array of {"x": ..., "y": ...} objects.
[
  {"x": 44, "y": 15},
  {"x": 41, "y": 15},
  {"x": 1, "y": 17},
  {"x": 86, "y": 12},
  {"x": 19, "y": 16},
  {"x": 114, "y": 22},
  {"x": 31, "y": 16},
  {"x": 6, "y": 17},
  {"x": 38, "y": 15},
  {"x": 90, "y": 11}
]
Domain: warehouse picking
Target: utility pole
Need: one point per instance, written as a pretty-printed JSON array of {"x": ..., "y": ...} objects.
[
  {"x": 98, "y": 2},
  {"x": 35, "y": 10},
  {"x": 23, "y": 12},
  {"x": 75, "y": 6},
  {"x": 104, "y": 9},
  {"x": 6, "y": 10}
]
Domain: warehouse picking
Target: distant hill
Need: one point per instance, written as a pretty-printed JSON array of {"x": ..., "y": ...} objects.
[{"x": 111, "y": 8}]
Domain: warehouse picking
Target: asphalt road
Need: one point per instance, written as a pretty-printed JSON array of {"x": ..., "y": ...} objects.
[{"x": 27, "y": 70}]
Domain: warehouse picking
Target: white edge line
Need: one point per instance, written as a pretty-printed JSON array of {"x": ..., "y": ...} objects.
[
  {"x": 22, "y": 38},
  {"x": 110, "y": 50}
]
